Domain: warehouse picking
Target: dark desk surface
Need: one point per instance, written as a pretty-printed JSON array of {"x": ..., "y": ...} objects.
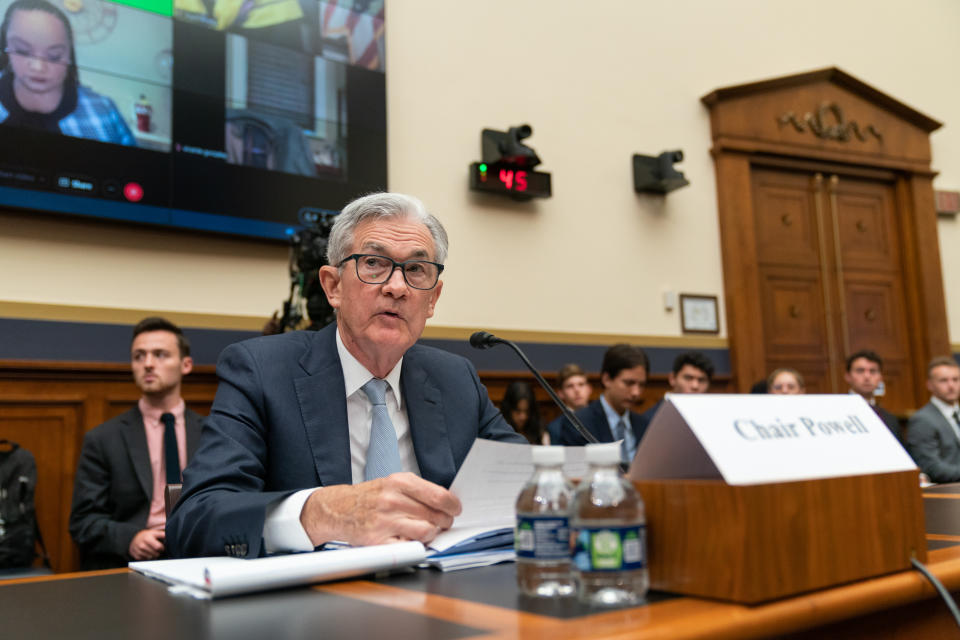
[{"x": 478, "y": 603}]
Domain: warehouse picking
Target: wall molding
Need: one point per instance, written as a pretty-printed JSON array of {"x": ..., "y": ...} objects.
[{"x": 114, "y": 315}]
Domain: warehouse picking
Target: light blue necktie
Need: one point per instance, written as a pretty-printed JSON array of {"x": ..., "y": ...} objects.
[
  {"x": 620, "y": 433},
  {"x": 383, "y": 454}
]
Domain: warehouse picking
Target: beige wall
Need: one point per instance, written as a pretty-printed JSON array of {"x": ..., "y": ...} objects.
[{"x": 598, "y": 82}]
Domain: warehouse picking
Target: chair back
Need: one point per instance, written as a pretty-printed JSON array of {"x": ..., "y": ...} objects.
[{"x": 170, "y": 496}]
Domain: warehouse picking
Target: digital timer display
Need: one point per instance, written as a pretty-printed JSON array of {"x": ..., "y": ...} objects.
[{"x": 517, "y": 182}]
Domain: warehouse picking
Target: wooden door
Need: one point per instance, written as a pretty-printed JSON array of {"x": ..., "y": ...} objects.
[
  {"x": 830, "y": 276},
  {"x": 828, "y": 231}
]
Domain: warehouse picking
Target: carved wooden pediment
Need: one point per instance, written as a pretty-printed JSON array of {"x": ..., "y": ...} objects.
[{"x": 826, "y": 113}]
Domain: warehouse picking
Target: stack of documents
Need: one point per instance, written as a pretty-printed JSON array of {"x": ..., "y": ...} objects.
[
  {"x": 487, "y": 485},
  {"x": 472, "y": 560}
]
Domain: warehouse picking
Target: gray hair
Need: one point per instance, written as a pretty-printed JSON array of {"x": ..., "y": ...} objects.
[{"x": 378, "y": 206}]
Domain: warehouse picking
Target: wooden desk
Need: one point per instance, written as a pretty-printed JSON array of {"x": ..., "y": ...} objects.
[{"x": 481, "y": 603}]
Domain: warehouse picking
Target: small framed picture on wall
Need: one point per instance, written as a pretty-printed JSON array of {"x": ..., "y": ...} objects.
[{"x": 698, "y": 314}]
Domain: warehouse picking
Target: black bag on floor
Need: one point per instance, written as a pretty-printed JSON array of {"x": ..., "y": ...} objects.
[{"x": 18, "y": 518}]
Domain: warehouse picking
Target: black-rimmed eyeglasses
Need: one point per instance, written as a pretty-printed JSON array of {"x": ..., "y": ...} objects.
[{"x": 374, "y": 269}]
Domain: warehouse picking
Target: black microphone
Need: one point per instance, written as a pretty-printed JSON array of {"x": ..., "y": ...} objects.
[{"x": 484, "y": 340}]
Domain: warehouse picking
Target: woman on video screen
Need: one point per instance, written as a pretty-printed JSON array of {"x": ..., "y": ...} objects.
[{"x": 39, "y": 84}]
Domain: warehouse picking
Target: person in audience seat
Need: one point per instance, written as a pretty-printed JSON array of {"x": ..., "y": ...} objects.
[
  {"x": 118, "y": 511},
  {"x": 865, "y": 375},
  {"x": 519, "y": 409},
  {"x": 610, "y": 418},
  {"x": 785, "y": 381},
  {"x": 933, "y": 432},
  {"x": 574, "y": 392},
  {"x": 692, "y": 372}
]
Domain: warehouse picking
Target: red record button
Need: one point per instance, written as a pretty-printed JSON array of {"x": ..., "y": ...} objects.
[{"x": 133, "y": 192}]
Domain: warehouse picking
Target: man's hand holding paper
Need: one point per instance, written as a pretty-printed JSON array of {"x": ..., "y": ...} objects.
[{"x": 397, "y": 508}]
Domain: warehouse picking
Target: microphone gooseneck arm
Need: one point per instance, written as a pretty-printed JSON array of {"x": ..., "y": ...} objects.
[{"x": 484, "y": 340}]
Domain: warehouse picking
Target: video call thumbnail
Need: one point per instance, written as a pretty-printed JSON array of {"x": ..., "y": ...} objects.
[
  {"x": 250, "y": 109},
  {"x": 88, "y": 69}
]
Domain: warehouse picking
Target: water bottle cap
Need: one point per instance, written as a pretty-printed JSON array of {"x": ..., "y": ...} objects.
[
  {"x": 603, "y": 453},
  {"x": 547, "y": 455}
]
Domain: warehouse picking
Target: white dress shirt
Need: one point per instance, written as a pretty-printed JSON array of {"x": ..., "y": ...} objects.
[{"x": 282, "y": 530}]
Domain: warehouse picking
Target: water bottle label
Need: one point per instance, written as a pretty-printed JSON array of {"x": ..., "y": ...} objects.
[
  {"x": 611, "y": 548},
  {"x": 542, "y": 537}
]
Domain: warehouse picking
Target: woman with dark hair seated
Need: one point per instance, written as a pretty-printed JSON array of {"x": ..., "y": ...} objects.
[
  {"x": 39, "y": 83},
  {"x": 519, "y": 408}
]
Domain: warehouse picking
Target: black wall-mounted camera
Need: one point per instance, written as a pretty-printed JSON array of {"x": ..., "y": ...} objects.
[
  {"x": 505, "y": 147},
  {"x": 657, "y": 175}
]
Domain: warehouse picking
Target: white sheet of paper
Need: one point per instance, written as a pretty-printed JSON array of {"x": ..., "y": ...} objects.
[
  {"x": 756, "y": 439},
  {"x": 224, "y": 576},
  {"x": 488, "y": 483}
]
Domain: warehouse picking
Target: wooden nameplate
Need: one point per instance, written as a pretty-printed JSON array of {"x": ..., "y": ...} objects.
[{"x": 754, "y": 543}]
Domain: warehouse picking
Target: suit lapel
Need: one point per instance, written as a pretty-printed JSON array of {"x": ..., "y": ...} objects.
[
  {"x": 637, "y": 425},
  {"x": 135, "y": 438},
  {"x": 945, "y": 426},
  {"x": 603, "y": 432},
  {"x": 428, "y": 429},
  {"x": 323, "y": 408}
]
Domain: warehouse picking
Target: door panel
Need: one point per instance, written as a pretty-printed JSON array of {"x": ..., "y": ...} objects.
[
  {"x": 793, "y": 318},
  {"x": 786, "y": 224},
  {"x": 866, "y": 226},
  {"x": 875, "y": 315},
  {"x": 830, "y": 277}
]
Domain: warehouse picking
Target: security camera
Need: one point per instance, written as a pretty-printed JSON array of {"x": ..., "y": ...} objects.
[
  {"x": 656, "y": 174},
  {"x": 499, "y": 146}
]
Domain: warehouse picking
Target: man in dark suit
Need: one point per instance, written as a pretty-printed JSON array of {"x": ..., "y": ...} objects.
[
  {"x": 118, "y": 513},
  {"x": 691, "y": 373},
  {"x": 933, "y": 432},
  {"x": 864, "y": 375},
  {"x": 624, "y": 379},
  {"x": 351, "y": 433}
]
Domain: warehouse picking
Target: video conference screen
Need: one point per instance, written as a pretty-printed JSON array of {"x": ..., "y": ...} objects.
[{"x": 230, "y": 116}]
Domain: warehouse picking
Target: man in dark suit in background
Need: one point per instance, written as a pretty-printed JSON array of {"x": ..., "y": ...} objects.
[
  {"x": 350, "y": 433},
  {"x": 864, "y": 375},
  {"x": 118, "y": 493},
  {"x": 624, "y": 378},
  {"x": 692, "y": 372},
  {"x": 933, "y": 432}
]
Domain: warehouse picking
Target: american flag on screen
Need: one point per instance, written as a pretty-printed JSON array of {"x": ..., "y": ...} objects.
[{"x": 363, "y": 32}]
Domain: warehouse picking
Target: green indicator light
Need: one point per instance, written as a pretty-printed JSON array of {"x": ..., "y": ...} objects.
[
  {"x": 483, "y": 168},
  {"x": 163, "y": 7}
]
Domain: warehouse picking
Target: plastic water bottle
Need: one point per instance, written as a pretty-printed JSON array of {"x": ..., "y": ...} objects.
[
  {"x": 609, "y": 522},
  {"x": 542, "y": 536}
]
